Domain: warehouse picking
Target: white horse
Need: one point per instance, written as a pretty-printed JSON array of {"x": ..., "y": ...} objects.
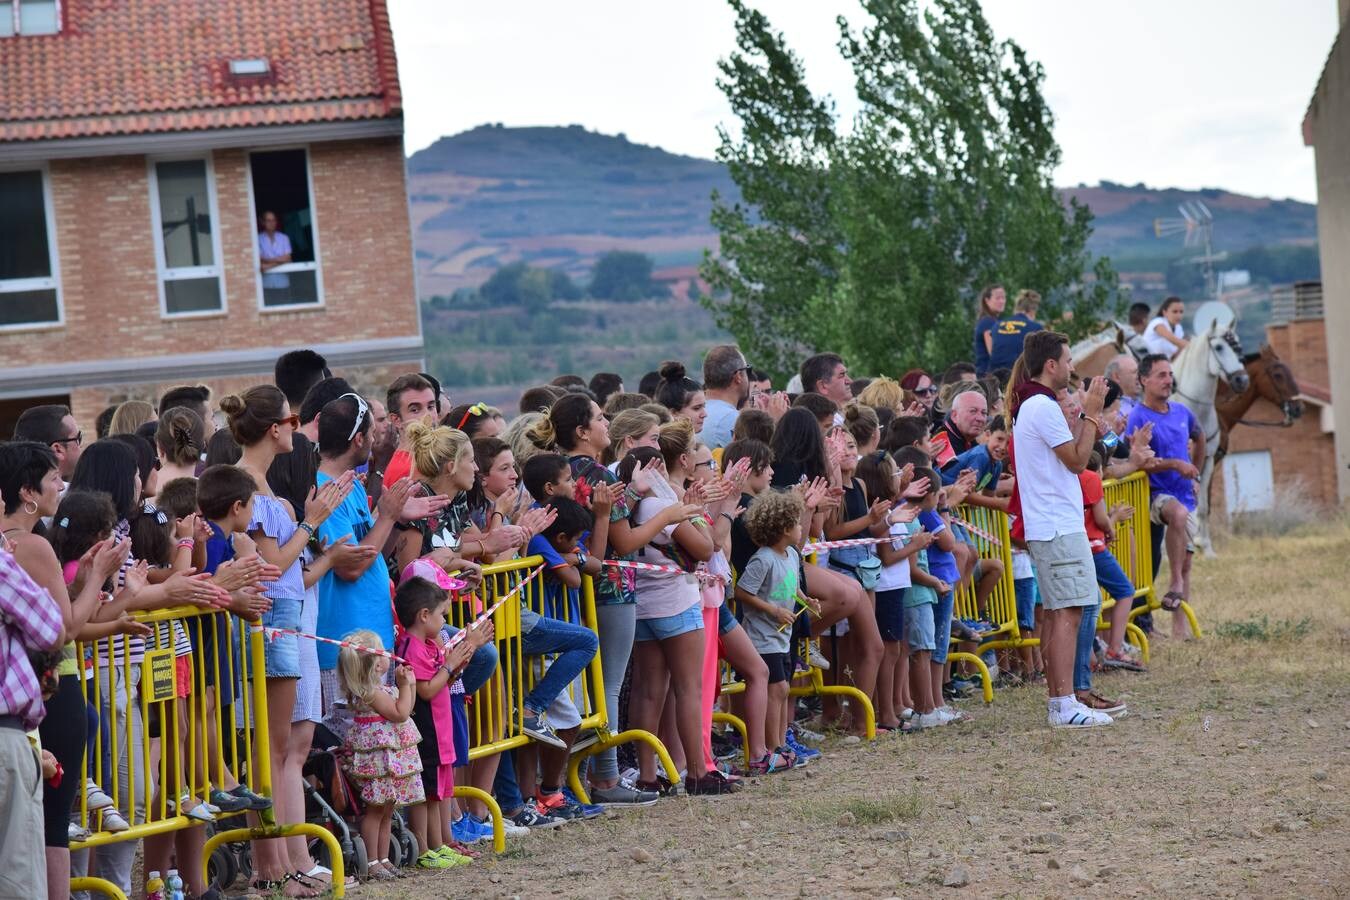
[{"x": 1196, "y": 371}]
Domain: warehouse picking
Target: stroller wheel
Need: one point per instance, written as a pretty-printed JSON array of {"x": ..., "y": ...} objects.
[
  {"x": 360, "y": 861},
  {"x": 318, "y": 850},
  {"x": 410, "y": 849},
  {"x": 243, "y": 857},
  {"x": 222, "y": 868}
]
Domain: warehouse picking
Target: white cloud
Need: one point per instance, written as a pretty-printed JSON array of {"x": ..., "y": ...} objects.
[{"x": 1185, "y": 93}]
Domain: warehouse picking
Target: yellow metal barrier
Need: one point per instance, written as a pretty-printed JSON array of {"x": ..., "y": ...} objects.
[
  {"x": 989, "y": 533},
  {"x": 152, "y": 778},
  {"x": 496, "y": 716},
  {"x": 1133, "y": 549}
]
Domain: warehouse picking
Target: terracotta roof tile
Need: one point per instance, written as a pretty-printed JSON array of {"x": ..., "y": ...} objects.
[{"x": 134, "y": 66}]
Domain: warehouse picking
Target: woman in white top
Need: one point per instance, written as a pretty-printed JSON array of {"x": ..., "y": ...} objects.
[{"x": 1164, "y": 333}]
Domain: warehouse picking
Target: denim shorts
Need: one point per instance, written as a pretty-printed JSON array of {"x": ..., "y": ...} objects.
[
  {"x": 942, "y": 626},
  {"x": 1111, "y": 577},
  {"x": 281, "y": 654},
  {"x": 725, "y": 620},
  {"x": 891, "y": 614},
  {"x": 1024, "y": 590},
  {"x": 919, "y": 627},
  {"x": 665, "y": 627}
]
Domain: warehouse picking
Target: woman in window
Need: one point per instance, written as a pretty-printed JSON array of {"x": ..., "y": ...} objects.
[{"x": 274, "y": 249}]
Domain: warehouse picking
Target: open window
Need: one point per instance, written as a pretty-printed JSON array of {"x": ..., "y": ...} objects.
[
  {"x": 187, "y": 241},
  {"x": 19, "y": 17},
  {"x": 287, "y": 242},
  {"x": 29, "y": 292}
]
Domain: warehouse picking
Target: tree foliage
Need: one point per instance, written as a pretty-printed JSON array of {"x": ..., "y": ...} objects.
[
  {"x": 874, "y": 240},
  {"x": 626, "y": 276},
  {"x": 520, "y": 284}
]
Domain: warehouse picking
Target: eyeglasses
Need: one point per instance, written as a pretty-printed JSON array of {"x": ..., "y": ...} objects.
[
  {"x": 712, "y": 464},
  {"x": 77, "y": 440},
  {"x": 362, "y": 410},
  {"x": 925, "y": 392},
  {"x": 292, "y": 420}
]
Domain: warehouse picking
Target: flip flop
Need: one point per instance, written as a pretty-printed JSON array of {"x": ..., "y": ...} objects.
[{"x": 1171, "y": 601}]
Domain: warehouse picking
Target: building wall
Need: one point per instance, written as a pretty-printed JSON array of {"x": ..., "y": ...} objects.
[
  {"x": 1329, "y": 122},
  {"x": 1301, "y": 454},
  {"x": 1302, "y": 345},
  {"x": 106, "y": 259}
]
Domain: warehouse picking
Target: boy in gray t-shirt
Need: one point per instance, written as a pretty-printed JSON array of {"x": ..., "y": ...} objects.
[{"x": 769, "y": 591}]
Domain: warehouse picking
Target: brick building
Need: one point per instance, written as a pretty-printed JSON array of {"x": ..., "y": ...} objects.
[
  {"x": 140, "y": 144},
  {"x": 1269, "y": 465}
]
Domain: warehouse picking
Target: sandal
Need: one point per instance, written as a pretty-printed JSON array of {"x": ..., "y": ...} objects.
[
  {"x": 320, "y": 878},
  {"x": 1171, "y": 601},
  {"x": 1094, "y": 700}
]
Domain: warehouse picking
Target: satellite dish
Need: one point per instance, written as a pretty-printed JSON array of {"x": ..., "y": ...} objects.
[{"x": 1214, "y": 317}]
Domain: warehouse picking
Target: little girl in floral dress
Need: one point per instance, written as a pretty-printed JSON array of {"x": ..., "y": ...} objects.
[{"x": 382, "y": 742}]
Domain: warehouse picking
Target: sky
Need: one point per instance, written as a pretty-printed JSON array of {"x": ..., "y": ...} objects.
[{"x": 1172, "y": 93}]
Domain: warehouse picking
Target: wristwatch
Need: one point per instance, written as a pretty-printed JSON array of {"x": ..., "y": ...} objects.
[{"x": 581, "y": 558}]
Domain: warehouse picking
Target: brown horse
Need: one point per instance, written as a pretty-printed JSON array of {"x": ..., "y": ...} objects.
[{"x": 1270, "y": 380}]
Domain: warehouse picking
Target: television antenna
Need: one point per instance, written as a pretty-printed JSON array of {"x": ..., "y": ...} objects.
[{"x": 1197, "y": 225}]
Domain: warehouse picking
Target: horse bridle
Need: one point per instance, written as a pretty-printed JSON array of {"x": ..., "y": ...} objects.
[{"x": 1285, "y": 405}]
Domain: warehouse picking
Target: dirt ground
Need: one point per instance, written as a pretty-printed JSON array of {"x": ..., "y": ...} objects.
[{"x": 1230, "y": 776}]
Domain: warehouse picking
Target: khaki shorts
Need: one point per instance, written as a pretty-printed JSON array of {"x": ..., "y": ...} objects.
[
  {"x": 1155, "y": 515},
  {"x": 24, "y": 873},
  {"x": 1065, "y": 574}
]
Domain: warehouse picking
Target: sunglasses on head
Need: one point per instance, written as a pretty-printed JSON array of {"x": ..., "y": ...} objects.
[
  {"x": 477, "y": 409},
  {"x": 362, "y": 410}
]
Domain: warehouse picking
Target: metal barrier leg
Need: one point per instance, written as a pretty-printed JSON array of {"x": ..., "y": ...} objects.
[
  {"x": 97, "y": 884},
  {"x": 613, "y": 740},
  {"x": 985, "y": 681},
  {"x": 494, "y": 810},
  {"x": 739, "y": 724},
  {"x": 237, "y": 835},
  {"x": 855, "y": 697},
  {"x": 1137, "y": 636},
  {"x": 1190, "y": 617}
]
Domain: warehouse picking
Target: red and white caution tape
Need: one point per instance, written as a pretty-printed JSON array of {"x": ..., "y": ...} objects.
[
  {"x": 978, "y": 532},
  {"x": 652, "y": 567},
  {"x": 271, "y": 633},
  {"x": 852, "y": 542},
  {"x": 487, "y": 613}
]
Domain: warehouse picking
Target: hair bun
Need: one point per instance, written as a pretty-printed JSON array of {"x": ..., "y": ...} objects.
[
  {"x": 672, "y": 371},
  {"x": 232, "y": 405}
]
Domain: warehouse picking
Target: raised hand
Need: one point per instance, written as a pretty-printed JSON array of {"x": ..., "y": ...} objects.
[
  {"x": 904, "y": 513},
  {"x": 322, "y": 500},
  {"x": 917, "y": 489},
  {"x": 395, "y": 496},
  {"x": 645, "y": 475},
  {"x": 876, "y": 514}
]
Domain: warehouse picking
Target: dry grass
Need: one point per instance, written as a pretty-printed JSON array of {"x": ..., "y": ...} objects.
[{"x": 1229, "y": 777}]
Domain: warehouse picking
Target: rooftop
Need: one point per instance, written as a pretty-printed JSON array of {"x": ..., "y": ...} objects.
[{"x": 126, "y": 67}]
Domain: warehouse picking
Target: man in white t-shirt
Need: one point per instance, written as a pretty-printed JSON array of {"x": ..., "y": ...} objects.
[{"x": 1049, "y": 455}]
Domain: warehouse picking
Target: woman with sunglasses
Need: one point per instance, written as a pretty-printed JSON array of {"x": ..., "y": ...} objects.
[
  {"x": 923, "y": 390},
  {"x": 262, "y": 423}
]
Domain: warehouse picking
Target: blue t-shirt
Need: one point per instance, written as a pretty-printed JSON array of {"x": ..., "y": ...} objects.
[
  {"x": 982, "y": 327},
  {"x": 941, "y": 564},
  {"x": 1008, "y": 337},
  {"x": 345, "y": 606},
  {"x": 219, "y": 550},
  {"x": 1172, "y": 430},
  {"x": 719, "y": 425},
  {"x": 987, "y": 469}
]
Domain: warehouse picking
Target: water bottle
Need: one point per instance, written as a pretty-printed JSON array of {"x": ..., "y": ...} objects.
[
  {"x": 154, "y": 887},
  {"x": 174, "y": 886},
  {"x": 1110, "y": 440}
]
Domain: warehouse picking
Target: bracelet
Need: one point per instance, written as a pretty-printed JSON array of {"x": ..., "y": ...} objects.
[
  {"x": 189, "y": 543},
  {"x": 1096, "y": 424},
  {"x": 305, "y": 527},
  {"x": 728, "y": 517}
]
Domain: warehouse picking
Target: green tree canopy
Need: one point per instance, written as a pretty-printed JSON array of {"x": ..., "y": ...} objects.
[
  {"x": 624, "y": 275},
  {"x": 519, "y": 284},
  {"x": 874, "y": 240}
]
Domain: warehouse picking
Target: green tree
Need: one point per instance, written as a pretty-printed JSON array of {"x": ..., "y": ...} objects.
[
  {"x": 874, "y": 241},
  {"x": 623, "y": 275}
]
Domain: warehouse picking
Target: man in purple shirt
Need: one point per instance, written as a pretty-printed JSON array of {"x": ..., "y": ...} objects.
[
  {"x": 30, "y": 620},
  {"x": 1179, "y": 451}
]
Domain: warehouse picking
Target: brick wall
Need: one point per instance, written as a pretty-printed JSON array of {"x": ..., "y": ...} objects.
[
  {"x": 87, "y": 403},
  {"x": 106, "y": 258},
  {"x": 1300, "y": 453}
]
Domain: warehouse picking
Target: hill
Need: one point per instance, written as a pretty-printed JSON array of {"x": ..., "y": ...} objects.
[{"x": 558, "y": 197}]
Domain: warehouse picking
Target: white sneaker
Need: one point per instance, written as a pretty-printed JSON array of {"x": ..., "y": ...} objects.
[
  {"x": 1076, "y": 715},
  {"x": 113, "y": 822},
  {"x": 907, "y": 713},
  {"x": 815, "y": 657},
  {"x": 954, "y": 716},
  {"x": 76, "y": 832},
  {"x": 94, "y": 796},
  {"x": 511, "y": 829},
  {"x": 930, "y": 720}
]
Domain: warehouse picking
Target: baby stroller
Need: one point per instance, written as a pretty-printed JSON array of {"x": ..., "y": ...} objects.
[{"x": 333, "y": 802}]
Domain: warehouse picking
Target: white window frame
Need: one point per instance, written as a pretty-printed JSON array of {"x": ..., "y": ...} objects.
[
  {"x": 52, "y": 282},
  {"x": 316, "y": 267},
  {"x": 18, "y": 32},
  {"x": 182, "y": 273}
]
